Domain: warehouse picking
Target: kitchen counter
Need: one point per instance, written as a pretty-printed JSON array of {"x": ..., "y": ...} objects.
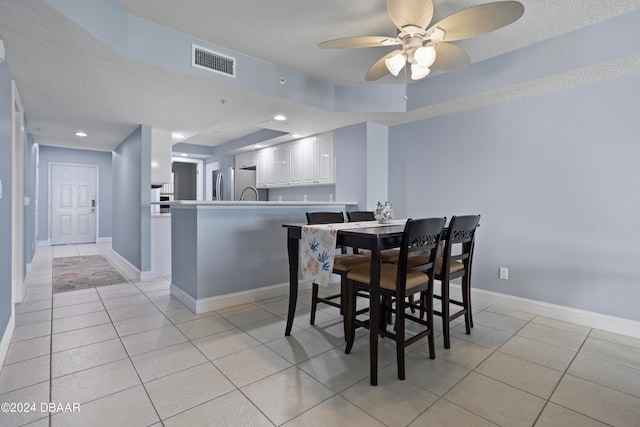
[
  {"x": 231, "y": 252},
  {"x": 253, "y": 203}
]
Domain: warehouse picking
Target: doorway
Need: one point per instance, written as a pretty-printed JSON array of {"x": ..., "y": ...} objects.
[{"x": 73, "y": 195}]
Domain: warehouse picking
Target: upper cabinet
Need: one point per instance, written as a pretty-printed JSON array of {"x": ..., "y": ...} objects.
[
  {"x": 246, "y": 160},
  {"x": 160, "y": 156},
  {"x": 266, "y": 167},
  {"x": 308, "y": 161}
]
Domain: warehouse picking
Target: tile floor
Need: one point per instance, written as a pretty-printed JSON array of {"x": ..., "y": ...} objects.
[{"x": 131, "y": 355}]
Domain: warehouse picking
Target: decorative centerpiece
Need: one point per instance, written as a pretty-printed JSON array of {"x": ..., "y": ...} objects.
[{"x": 384, "y": 212}]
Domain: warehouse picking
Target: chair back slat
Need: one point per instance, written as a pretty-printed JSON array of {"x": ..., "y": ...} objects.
[
  {"x": 422, "y": 237},
  {"x": 315, "y": 218},
  {"x": 357, "y": 216},
  {"x": 461, "y": 235}
]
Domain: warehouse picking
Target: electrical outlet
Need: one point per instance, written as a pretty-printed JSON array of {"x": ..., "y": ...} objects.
[{"x": 504, "y": 273}]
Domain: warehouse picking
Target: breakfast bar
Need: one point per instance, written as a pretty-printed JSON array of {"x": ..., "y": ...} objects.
[{"x": 229, "y": 253}]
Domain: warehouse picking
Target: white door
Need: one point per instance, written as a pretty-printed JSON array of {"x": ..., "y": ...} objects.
[{"x": 73, "y": 204}]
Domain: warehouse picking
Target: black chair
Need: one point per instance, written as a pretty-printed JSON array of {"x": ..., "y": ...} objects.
[
  {"x": 389, "y": 255},
  {"x": 342, "y": 264},
  {"x": 357, "y": 216},
  {"x": 455, "y": 262},
  {"x": 397, "y": 281}
]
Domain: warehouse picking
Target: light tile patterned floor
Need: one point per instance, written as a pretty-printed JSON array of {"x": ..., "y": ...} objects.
[{"x": 131, "y": 355}]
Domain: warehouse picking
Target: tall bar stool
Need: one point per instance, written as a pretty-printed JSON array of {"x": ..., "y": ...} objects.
[
  {"x": 388, "y": 255},
  {"x": 397, "y": 281},
  {"x": 342, "y": 264},
  {"x": 457, "y": 257}
]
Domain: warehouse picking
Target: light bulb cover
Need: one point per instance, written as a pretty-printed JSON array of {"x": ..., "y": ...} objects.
[
  {"x": 425, "y": 56},
  {"x": 418, "y": 72},
  {"x": 395, "y": 63}
]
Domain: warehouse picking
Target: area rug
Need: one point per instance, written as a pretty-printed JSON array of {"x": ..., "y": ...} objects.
[{"x": 83, "y": 272}]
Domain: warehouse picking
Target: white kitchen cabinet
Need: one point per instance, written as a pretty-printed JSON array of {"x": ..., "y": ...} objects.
[
  {"x": 246, "y": 160},
  {"x": 314, "y": 158},
  {"x": 325, "y": 162},
  {"x": 266, "y": 167},
  {"x": 160, "y": 156},
  {"x": 307, "y": 161},
  {"x": 282, "y": 164}
]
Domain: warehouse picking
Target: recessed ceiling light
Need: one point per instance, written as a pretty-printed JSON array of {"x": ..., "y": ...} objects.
[
  {"x": 279, "y": 117},
  {"x": 184, "y": 155},
  {"x": 257, "y": 146},
  {"x": 80, "y": 134},
  {"x": 295, "y": 135},
  {"x": 177, "y": 135}
]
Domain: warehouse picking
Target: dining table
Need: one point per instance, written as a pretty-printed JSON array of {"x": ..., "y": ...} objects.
[{"x": 375, "y": 238}]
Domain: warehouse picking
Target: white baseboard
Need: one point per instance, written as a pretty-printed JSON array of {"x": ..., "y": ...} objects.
[
  {"x": 590, "y": 319},
  {"x": 105, "y": 240},
  {"x": 29, "y": 267},
  {"x": 43, "y": 243},
  {"x": 132, "y": 270},
  {"x": 229, "y": 300},
  {"x": 6, "y": 339},
  {"x": 146, "y": 276}
]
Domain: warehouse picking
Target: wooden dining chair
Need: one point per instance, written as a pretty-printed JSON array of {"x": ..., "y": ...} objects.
[
  {"x": 455, "y": 262},
  {"x": 389, "y": 255},
  {"x": 396, "y": 282},
  {"x": 358, "y": 216},
  {"x": 342, "y": 264}
]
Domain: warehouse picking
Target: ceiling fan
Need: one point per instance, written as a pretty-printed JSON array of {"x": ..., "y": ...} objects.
[{"x": 426, "y": 48}]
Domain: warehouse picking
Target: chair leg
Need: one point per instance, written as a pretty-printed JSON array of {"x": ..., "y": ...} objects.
[
  {"x": 428, "y": 306},
  {"x": 445, "y": 313},
  {"x": 314, "y": 302},
  {"x": 469, "y": 297},
  {"x": 349, "y": 315},
  {"x": 400, "y": 337},
  {"x": 466, "y": 302}
]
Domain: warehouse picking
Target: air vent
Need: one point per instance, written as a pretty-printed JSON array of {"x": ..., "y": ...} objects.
[{"x": 209, "y": 60}]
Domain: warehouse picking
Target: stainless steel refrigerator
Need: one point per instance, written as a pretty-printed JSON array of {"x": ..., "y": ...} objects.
[{"x": 229, "y": 183}]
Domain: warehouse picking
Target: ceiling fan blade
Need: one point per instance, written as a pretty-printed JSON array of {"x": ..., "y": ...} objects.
[
  {"x": 356, "y": 42},
  {"x": 450, "y": 57},
  {"x": 410, "y": 12},
  {"x": 379, "y": 69},
  {"x": 480, "y": 19}
]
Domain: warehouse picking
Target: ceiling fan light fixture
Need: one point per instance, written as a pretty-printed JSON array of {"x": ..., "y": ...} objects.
[
  {"x": 425, "y": 56},
  {"x": 437, "y": 34},
  {"x": 418, "y": 72},
  {"x": 395, "y": 63}
]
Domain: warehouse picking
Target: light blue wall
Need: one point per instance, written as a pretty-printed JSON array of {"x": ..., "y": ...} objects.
[
  {"x": 30, "y": 167},
  {"x": 362, "y": 164},
  {"x": 351, "y": 164},
  {"x": 102, "y": 159},
  {"x": 131, "y": 198},
  {"x": 555, "y": 179},
  {"x": 5, "y": 202}
]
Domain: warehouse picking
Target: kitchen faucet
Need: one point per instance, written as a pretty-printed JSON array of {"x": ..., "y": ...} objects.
[{"x": 250, "y": 188}]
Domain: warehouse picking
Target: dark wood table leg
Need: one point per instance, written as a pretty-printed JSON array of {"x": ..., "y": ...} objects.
[{"x": 293, "y": 247}]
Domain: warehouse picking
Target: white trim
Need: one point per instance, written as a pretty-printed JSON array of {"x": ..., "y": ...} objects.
[
  {"x": 105, "y": 240},
  {"x": 146, "y": 276},
  {"x": 229, "y": 300},
  {"x": 132, "y": 270},
  {"x": 590, "y": 319},
  {"x": 29, "y": 267},
  {"x": 6, "y": 339},
  {"x": 42, "y": 243}
]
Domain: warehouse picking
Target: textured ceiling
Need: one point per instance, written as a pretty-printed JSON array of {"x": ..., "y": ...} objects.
[{"x": 68, "y": 80}]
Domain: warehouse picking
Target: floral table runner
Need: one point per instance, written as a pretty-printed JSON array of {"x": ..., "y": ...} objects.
[{"x": 319, "y": 247}]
